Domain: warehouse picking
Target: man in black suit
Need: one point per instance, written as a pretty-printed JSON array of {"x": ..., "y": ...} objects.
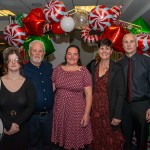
[{"x": 136, "y": 112}]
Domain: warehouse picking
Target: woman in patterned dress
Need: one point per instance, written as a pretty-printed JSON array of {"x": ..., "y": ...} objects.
[
  {"x": 108, "y": 97},
  {"x": 73, "y": 98}
]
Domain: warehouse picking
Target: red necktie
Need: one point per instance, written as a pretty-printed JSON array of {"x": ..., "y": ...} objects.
[{"x": 129, "y": 81}]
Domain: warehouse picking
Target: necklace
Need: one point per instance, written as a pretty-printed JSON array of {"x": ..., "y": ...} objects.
[
  {"x": 104, "y": 67},
  {"x": 71, "y": 68}
]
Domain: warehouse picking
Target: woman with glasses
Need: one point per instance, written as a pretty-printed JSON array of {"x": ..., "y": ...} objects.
[{"x": 16, "y": 102}]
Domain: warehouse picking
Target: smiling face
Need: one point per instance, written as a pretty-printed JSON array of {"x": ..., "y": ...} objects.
[
  {"x": 129, "y": 44},
  {"x": 36, "y": 53},
  {"x": 72, "y": 56},
  {"x": 105, "y": 52}
]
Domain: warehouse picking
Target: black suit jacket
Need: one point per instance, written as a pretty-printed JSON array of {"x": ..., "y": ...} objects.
[{"x": 116, "y": 92}]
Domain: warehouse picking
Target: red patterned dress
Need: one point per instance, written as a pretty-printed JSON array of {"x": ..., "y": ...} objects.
[
  {"x": 69, "y": 106},
  {"x": 104, "y": 138}
]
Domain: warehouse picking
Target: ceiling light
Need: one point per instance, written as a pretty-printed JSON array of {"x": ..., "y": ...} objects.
[
  {"x": 2, "y": 43},
  {"x": 6, "y": 13},
  {"x": 84, "y": 8}
]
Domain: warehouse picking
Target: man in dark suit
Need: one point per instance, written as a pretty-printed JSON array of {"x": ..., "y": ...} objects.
[{"x": 136, "y": 112}]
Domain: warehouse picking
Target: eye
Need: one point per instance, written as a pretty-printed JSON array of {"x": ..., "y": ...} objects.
[
  {"x": 68, "y": 53},
  {"x": 13, "y": 60}
]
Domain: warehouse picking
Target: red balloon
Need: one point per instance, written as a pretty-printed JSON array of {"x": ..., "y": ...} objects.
[
  {"x": 115, "y": 34},
  {"x": 34, "y": 22},
  {"x": 148, "y": 52},
  {"x": 23, "y": 54},
  {"x": 56, "y": 28}
]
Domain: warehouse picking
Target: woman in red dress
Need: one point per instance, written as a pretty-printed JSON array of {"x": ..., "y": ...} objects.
[
  {"x": 72, "y": 105},
  {"x": 108, "y": 97}
]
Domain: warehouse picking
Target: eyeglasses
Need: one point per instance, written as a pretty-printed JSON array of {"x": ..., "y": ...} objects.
[{"x": 13, "y": 60}]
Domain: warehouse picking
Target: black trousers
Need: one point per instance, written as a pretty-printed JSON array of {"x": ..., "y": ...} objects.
[{"x": 134, "y": 119}]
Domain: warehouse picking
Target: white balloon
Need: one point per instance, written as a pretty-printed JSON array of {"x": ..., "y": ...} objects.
[{"x": 67, "y": 24}]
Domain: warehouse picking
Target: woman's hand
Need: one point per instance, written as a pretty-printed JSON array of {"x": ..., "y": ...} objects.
[
  {"x": 6, "y": 132},
  {"x": 14, "y": 128},
  {"x": 115, "y": 121},
  {"x": 148, "y": 115},
  {"x": 85, "y": 120}
]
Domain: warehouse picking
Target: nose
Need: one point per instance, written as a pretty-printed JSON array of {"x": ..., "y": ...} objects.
[
  {"x": 37, "y": 53},
  {"x": 72, "y": 55},
  {"x": 13, "y": 61},
  {"x": 128, "y": 44},
  {"x": 104, "y": 50}
]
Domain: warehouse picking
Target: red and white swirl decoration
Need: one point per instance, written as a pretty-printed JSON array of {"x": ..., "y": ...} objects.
[
  {"x": 100, "y": 18},
  {"x": 88, "y": 38},
  {"x": 143, "y": 42},
  {"x": 14, "y": 35},
  {"x": 54, "y": 11},
  {"x": 116, "y": 12},
  {"x": 47, "y": 27}
]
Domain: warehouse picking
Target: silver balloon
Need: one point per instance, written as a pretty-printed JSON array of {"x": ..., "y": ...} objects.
[{"x": 80, "y": 19}]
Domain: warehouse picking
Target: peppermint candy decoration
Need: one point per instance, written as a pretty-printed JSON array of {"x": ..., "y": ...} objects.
[
  {"x": 100, "y": 18},
  {"x": 14, "y": 35},
  {"x": 143, "y": 42},
  {"x": 54, "y": 11},
  {"x": 88, "y": 38}
]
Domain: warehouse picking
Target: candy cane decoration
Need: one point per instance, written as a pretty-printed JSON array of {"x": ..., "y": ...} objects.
[
  {"x": 116, "y": 11},
  {"x": 88, "y": 38},
  {"x": 47, "y": 27}
]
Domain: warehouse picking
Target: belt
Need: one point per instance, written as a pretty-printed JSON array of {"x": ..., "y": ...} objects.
[{"x": 41, "y": 113}]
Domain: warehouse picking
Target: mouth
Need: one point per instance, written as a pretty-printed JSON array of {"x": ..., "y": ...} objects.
[{"x": 129, "y": 48}]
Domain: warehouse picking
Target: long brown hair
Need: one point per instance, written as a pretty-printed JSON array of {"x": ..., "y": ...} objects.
[
  {"x": 9, "y": 51},
  {"x": 78, "y": 49}
]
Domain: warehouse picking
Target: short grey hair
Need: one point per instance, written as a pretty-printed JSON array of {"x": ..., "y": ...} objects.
[{"x": 36, "y": 41}]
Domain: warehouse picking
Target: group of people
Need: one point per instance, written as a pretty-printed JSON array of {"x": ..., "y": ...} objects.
[{"x": 70, "y": 108}]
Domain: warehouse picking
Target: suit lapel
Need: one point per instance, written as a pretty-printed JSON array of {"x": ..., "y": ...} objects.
[{"x": 111, "y": 72}]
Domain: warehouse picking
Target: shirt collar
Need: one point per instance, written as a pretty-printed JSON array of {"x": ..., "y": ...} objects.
[
  {"x": 133, "y": 57},
  {"x": 34, "y": 65}
]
